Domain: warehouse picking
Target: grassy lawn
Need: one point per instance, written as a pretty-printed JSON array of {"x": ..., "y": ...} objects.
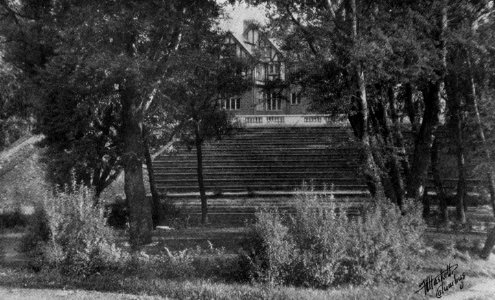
[
  {"x": 194, "y": 288},
  {"x": 217, "y": 286}
]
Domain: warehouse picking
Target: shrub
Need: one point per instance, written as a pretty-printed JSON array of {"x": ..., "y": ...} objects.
[
  {"x": 384, "y": 244},
  {"x": 320, "y": 245},
  {"x": 70, "y": 234},
  {"x": 267, "y": 251},
  {"x": 320, "y": 233}
]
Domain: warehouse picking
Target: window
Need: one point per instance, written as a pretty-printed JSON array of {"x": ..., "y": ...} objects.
[
  {"x": 231, "y": 104},
  {"x": 252, "y": 36},
  {"x": 272, "y": 102},
  {"x": 260, "y": 72},
  {"x": 247, "y": 73},
  {"x": 273, "y": 71},
  {"x": 295, "y": 98},
  {"x": 274, "y": 68}
]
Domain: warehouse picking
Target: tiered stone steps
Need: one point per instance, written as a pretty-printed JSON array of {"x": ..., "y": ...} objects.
[
  {"x": 263, "y": 167},
  {"x": 241, "y": 209},
  {"x": 266, "y": 159}
]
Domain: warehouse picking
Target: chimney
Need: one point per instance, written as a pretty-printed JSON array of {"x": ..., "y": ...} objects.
[{"x": 248, "y": 22}]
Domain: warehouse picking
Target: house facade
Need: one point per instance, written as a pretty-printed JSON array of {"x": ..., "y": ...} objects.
[{"x": 271, "y": 99}]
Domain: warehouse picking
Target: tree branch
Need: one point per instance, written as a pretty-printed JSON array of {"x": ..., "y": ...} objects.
[
  {"x": 330, "y": 8},
  {"x": 307, "y": 35}
]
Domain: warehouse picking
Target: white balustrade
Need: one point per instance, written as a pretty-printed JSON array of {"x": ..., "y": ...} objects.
[{"x": 286, "y": 120}]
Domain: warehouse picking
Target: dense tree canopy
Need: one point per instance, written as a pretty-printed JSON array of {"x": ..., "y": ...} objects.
[
  {"x": 383, "y": 62},
  {"x": 98, "y": 67}
]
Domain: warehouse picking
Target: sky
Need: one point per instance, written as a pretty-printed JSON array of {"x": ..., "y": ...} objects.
[{"x": 240, "y": 12}]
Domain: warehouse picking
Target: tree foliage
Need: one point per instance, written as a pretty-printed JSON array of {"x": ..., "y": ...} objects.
[{"x": 98, "y": 67}]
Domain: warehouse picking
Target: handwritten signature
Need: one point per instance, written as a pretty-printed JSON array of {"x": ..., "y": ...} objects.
[{"x": 440, "y": 281}]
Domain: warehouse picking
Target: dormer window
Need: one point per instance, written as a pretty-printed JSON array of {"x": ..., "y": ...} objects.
[{"x": 252, "y": 36}]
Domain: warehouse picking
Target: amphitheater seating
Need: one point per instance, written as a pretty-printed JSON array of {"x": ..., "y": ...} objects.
[{"x": 264, "y": 167}]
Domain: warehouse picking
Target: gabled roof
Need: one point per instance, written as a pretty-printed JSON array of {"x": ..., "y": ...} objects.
[{"x": 240, "y": 39}]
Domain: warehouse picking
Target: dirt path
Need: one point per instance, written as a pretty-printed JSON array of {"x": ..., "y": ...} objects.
[
  {"x": 484, "y": 289},
  {"x": 47, "y": 294}
]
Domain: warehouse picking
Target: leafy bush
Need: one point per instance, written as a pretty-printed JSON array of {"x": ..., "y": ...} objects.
[
  {"x": 70, "y": 234},
  {"x": 384, "y": 245},
  {"x": 268, "y": 250},
  {"x": 320, "y": 245}
]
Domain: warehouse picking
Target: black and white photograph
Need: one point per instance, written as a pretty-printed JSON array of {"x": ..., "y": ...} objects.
[{"x": 247, "y": 149}]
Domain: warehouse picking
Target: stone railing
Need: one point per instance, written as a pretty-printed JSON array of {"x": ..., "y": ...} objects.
[{"x": 285, "y": 120}]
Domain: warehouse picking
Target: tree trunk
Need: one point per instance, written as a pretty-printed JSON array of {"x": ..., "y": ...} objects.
[
  {"x": 461, "y": 169},
  {"x": 140, "y": 223},
  {"x": 452, "y": 87},
  {"x": 474, "y": 103},
  {"x": 489, "y": 243},
  {"x": 359, "y": 121},
  {"x": 155, "y": 197},
  {"x": 398, "y": 137},
  {"x": 441, "y": 196},
  {"x": 426, "y": 203},
  {"x": 431, "y": 117},
  {"x": 490, "y": 239},
  {"x": 397, "y": 145},
  {"x": 409, "y": 107},
  {"x": 201, "y": 185},
  {"x": 491, "y": 188},
  {"x": 424, "y": 141}
]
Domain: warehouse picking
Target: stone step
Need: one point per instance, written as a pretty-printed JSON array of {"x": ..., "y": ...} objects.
[
  {"x": 260, "y": 180},
  {"x": 277, "y": 139},
  {"x": 223, "y": 167},
  {"x": 260, "y": 174},
  {"x": 254, "y": 203},
  {"x": 266, "y": 161},
  {"x": 253, "y": 187},
  {"x": 247, "y": 197},
  {"x": 266, "y": 152}
]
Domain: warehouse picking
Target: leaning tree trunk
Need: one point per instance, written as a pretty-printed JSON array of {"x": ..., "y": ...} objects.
[
  {"x": 409, "y": 107},
  {"x": 431, "y": 118},
  {"x": 201, "y": 184},
  {"x": 140, "y": 223},
  {"x": 461, "y": 168},
  {"x": 155, "y": 197},
  {"x": 397, "y": 146},
  {"x": 441, "y": 196},
  {"x": 385, "y": 153},
  {"x": 490, "y": 240},
  {"x": 424, "y": 142},
  {"x": 359, "y": 120},
  {"x": 474, "y": 102}
]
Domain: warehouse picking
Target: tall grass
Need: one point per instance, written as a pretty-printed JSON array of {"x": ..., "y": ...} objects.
[
  {"x": 70, "y": 234},
  {"x": 320, "y": 245}
]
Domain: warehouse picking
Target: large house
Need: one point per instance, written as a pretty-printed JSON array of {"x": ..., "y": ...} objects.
[{"x": 271, "y": 100}]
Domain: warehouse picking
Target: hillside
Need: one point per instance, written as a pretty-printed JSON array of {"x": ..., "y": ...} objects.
[{"x": 21, "y": 174}]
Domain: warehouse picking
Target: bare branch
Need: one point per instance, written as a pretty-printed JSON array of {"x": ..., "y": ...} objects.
[
  {"x": 330, "y": 8},
  {"x": 307, "y": 35}
]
